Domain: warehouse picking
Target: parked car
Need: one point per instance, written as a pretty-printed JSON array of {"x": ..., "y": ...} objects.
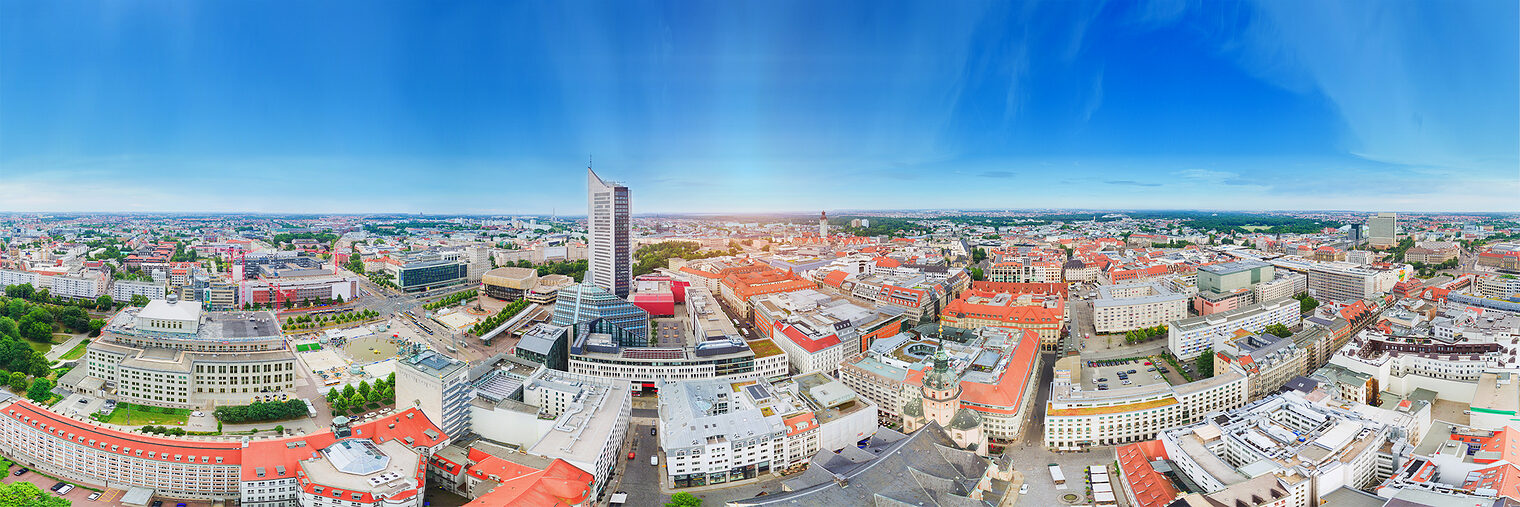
[
  {"x": 21, "y": 470},
  {"x": 654, "y": 460},
  {"x": 158, "y": 503},
  {"x": 93, "y": 496},
  {"x": 65, "y": 489},
  {"x": 56, "y": 487},
  {"x": 630, "y": 455},
  {"x": 651, "y": 431},
  {"x": 1023, "y": 489}
]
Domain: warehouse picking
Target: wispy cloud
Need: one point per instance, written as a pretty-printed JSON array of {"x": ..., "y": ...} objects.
[
  {"x": 997, "y": 174},
  {"x": 1132, "y": 183},
  {"x": 1415, "y": 83}
]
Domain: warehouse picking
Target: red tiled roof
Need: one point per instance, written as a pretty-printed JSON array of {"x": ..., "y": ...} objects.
[
  {"x": 799, "y": 423},
  {"x": 271, "y": 453},
  {"x": 559, "y": 484},
  {"x": 163, "y": 449},
  {"x": 1151, "y": 488},
  {"x": 1009, "y": 389},
  {"x": 1503, "y": 478},
  {"x": 803, "y": 340},
  {"x": 835, "y": 278}
]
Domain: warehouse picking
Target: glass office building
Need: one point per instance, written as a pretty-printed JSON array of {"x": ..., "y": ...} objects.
[
  {"x": 583, "y": 302},
  {"x": 431, "y": 274}
]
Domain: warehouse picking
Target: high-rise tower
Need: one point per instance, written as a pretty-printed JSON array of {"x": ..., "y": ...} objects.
[
  {"x": 1382, "y": 229},
  {"x": 823, "y": 224},
  {"x": 608, "y": 214}
]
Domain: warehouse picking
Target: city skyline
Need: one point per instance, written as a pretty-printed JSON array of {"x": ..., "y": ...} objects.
[{"x": 492, "y": 109}]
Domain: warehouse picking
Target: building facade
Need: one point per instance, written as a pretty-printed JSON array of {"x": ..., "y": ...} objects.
[
  {"x": 1125, "y": 307},
  {"x": 171, "y": 354},
  {"x": 608, "y": 218},
  {"x": 1187, "y": 338},
  {"x": 1079, "y": 418}
]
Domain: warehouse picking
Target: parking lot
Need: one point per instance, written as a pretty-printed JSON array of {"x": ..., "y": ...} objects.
[
  {"x": 79, "y": 496},
  {"x": 1115, "y": 374},
  {"x": 81, "y": 405}
]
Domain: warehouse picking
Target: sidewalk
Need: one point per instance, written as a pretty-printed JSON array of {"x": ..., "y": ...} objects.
[{"x": 60, "y": 349}]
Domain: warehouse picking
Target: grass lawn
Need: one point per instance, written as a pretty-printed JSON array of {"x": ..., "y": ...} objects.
[
  {"x": 45, "y": 347},
  {"x": 39, "y": 347},
  {"x": 76, "y": 352},
  {"x": 140, "y": 415}
]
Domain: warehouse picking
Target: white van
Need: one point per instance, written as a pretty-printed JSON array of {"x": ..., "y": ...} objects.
[{"x": 654, "y": 460}]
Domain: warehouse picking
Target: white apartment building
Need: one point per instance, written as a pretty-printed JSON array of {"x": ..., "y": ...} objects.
[
  {"x": 88, "y": 285},
  {"x": 1284, "y": 436},
  {"x": 123, "y": 290},
  {"x": 1125, "y": 307},
  {"x": 1284, "y": 285},
  {"x": 722, "y": 431},
  {"x": 1186, "y": 338},
  {"x": 9, "y": 277},
  {"x": 1077, "y": 417}
]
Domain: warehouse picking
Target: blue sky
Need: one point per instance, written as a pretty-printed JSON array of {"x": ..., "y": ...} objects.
[{"x": 493, "y": 107}]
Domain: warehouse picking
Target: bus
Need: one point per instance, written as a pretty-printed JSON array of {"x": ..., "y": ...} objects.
[
  {"x": 311, "y": 410},
  {"x": 1057, "y": 477}
]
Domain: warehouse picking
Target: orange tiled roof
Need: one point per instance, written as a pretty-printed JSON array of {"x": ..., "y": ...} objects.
[
  {"x": 559, "y": 484},
  {"x": 1150, "y": 488}
]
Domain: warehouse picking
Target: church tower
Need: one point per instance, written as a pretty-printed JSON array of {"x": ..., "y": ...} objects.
[{"x": 941, "y": 391}]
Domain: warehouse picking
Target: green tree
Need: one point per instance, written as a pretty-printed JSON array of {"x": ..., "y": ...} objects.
[
  {"x": 1279, "y": 330},
  {"x": 26, "y": 494},
  {"x": 684, "y": 499},
  {"x": 1205, "y": 363},
  {"x": 1306, "y": 303},
  {"x": 23, "y": 291},
  {"x": 104, "y": 302},
  {"x": 348, "y": 391},
  {"x": 18, "y": 381},
  {"x": 8, "y": 328},
  {"x": 977, "y": 275},
  {"x": 96, "y": 325},
  {"x": 40, "y": 391},
  {"x": 139, "y": 300},
  {"x": 364, "y": 388},
  {"x": 358, "y": 400}
]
